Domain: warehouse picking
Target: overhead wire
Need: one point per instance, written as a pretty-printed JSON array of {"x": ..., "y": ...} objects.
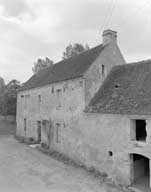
[{"x": 108, "y": 16}]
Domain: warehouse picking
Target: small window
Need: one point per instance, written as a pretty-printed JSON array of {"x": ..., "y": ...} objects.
[
  {"x": 25, "y": 124},
  {"x": 103, "y": 69},
  {"x": 117, "y": 86},
  {"x": 58, "y": 133},
  {"x": 81, "y": 83},
  {"x": 39, "y": 98},
  {"x": 110, "y": 153},
  {"x": 58, "y": 91},
  {"x": 22, "y": 96},
  {"x": 52, "y": 89}
]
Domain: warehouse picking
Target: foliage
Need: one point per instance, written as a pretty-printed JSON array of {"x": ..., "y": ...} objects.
[
  {"x": 8, "y": 98},
  {"x": 2, "y": 87},
  {"x": 2, "y": 82},
  {"x": 41, "y": 63},
  {"x": 72, "y": 50},
  {"x": 47, "y": 128}
]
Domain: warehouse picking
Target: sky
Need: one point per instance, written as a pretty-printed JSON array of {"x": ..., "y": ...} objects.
[{"x": 32, "y": 29}]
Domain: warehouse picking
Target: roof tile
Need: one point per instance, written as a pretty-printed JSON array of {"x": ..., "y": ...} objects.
[
  {"x": 70, "y": 68},
  {"x": 133, "y": 94}
]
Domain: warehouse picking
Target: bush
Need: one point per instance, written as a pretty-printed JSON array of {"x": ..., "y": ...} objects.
[{"x": 44, "y": 145}]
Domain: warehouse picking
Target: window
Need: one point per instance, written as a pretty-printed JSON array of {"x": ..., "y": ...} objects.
[
  {"x": 103, "y": 69},
  {"x": 81, "y": 83},
  {"x": 138, "y": 130},
  {"x": 39, "y": 102},
  {"x": 58, "y": 133},
  {"x": 25, "y": 124},
  {"x": 52, "y": 89},
  {"x": 46, "y": 126},
  {"x": 117, "y": 86},
  {"x": 39, "y": 130},
  {"x": 110, "y": 153},
  {"x": 39, "y": 98},
  {"x": 58, "y": 91}
]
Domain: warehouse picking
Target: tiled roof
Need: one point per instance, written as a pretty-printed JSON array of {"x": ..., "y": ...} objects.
[
  {"x": 127, "y": 90},
  {"x": 70, "y": 68}
]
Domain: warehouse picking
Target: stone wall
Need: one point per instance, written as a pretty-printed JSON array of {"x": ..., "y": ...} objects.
[
  {"x": 44, "y": 103},
  {"x": 97, "y": 140},
  {"x": 103, "y": 141}
]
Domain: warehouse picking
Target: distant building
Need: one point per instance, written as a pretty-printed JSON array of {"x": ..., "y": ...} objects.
[{"x": 94, "y": 108}]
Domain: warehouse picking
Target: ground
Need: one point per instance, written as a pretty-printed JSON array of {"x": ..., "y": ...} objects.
[{"x": 24, "y": 169}]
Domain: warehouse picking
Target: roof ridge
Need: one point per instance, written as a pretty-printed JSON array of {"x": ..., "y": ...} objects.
[
  {"x": 132, "y": 64},
  {"x": 140, "y": 62},
  {"x": 70, "y": 68},
  {"x": 85, "y": 51}
]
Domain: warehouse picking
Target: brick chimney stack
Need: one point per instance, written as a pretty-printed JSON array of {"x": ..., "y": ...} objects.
[{"x": 109, "y": 36}]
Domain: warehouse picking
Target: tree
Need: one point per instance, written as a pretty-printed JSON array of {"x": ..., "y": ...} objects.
[
  {"x": 10, "y": 97},
  {"x": 2, "y": 88},
  {"x": 75, "y": 49},
  {"x": 2, "y": 82},
  {"x": 41, "y": 63}
]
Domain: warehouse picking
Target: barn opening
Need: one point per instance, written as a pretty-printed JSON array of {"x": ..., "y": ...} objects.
[
  {"x": 141, "y": 130},
  {"x": 140, "y": 171},
  {"x": 138, "y": 130}
]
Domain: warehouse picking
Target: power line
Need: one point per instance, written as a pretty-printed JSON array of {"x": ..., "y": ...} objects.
[
  {"x": 108, "y": 16},
  {"x": 111, "y": 14}
]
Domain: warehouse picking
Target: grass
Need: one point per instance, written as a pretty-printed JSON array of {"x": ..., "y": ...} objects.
[
  {"x": 66, "y": 160},
  {"x": 7, "y": 127}
]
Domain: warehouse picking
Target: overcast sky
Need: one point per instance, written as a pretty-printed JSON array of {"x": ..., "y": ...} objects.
[{"x": 32, "y": 29}]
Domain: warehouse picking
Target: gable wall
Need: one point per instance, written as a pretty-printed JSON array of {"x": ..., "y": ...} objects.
[{"x": 109, "y": 57}]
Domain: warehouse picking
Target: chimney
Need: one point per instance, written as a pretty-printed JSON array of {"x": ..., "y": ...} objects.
[{"x": 109, "y": 36}]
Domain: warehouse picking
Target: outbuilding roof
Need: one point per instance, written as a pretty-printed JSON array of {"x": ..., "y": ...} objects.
[
  {"x": 127, "y": 90},
  {"x": 70, "y": 68}
]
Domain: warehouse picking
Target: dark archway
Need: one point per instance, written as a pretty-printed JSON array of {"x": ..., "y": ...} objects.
[{"x": 140, "y": 171}]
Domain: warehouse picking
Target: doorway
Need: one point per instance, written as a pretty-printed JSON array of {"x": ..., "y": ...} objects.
[
  {"x": 140, "y": 171},
  {"x": 39, "y": 131}
]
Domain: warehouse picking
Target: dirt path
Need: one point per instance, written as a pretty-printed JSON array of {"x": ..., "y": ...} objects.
[{"x": 23, "y": 169}]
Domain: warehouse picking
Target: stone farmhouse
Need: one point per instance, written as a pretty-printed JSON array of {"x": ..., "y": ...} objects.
[{"x": 94, "y": 108}]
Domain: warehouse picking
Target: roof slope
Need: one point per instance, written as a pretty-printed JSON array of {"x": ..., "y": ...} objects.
[
  {"x": 127, "y": 90},
  {"x": 70, "y": 68}
]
